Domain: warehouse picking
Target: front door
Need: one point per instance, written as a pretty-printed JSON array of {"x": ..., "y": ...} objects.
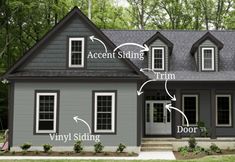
[{"x": 157, "y": 118}]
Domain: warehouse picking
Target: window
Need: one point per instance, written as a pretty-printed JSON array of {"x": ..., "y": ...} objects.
[
  {"x": 158, "y": 58},
  {"x": 190, "y": 109},
  {"x": 208, "y": 59},
  {"x": 223, "y": 110},
  {"x": 76, "y": 52},
  {"x": 104, "y": 121},
  {"x": 46, "y": 112}
]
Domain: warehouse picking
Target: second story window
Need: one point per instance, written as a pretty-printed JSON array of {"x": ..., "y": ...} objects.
[
  {"x": 76, "y": 52},
  {"x": 158, "y": 58},
  {"x": 208, "y": 59}
]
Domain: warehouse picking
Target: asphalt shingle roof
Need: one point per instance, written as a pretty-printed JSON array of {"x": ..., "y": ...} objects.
[{"x": 181, "y": 61}]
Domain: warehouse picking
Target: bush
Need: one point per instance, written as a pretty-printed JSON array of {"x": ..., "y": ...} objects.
[
  {"x": 215, "y": 148},
  {"x": 183, "y": 150},
  {"x": 98, "y": 147},
  {"x": 203, "y": 130},
  {"x": 121, "y": 147},
  {"x": 198, "y": 150},
  {"x": 25, "y": 146},
  {"x": 192, "y": 142},
  {"x": 47, "y": 147},
  {"x": 78, "y": 147}
]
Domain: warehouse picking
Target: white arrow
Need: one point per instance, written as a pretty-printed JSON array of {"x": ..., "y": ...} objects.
[
  {"x": 169, "y": 107},
  {"x": 92, "y": 38},
  {"x": 143, "y": 69},
  {"x": 76, "y": 118},
  {"x": 145, "y": 47},
  {"x": 172, "y": 98},
  {"x": 139, "y": 92}
]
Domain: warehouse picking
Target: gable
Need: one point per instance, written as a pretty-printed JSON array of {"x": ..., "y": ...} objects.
[
  {"x": 51, "y": 52},
  {"x": 54, "y": 54}
]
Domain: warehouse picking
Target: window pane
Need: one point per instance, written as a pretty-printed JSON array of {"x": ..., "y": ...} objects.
[
  {"x": 148, "y": 113},
  {"x": 76, "y": 52},
  {"x": 158, "y": 58},
  {"x": 207, "y": 63},
  {"x": 46, "y": 112},
  {"x": 157, "y": 112},
  {"x": 46, "y": 125},
  {"x": 223, "y": 110},
  {"x": 104, "y": 112},
  {"x": 190, "y": 105},
  {"x": 208, "y": 53}
]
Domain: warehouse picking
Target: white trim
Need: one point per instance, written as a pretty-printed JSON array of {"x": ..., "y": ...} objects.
[
  {"x": 230, "y": 111},
  {"x": 163, "y": 58},
  {"x": 212, "y": 59},
  {"x": 190, "y": 95},
  {"x": 37, "y": 112},
  {"x": 112, "y": 94},
  {"x": 82, "y": 57}
]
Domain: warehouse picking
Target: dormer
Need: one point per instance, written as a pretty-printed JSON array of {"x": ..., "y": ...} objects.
[
  {"x": 206, "y": 53},
  {"x": 160, "y": 50}
]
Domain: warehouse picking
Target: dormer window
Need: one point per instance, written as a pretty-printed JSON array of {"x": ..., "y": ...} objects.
[
  {"x": 158, "y": 55},
  {"x": 208, "y": 59},
  {"x": 76, "y": 52}
]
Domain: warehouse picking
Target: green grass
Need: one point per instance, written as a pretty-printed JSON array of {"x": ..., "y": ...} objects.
[{"x": 225, "y": 158}]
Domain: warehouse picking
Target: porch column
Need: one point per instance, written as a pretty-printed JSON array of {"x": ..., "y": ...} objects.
[
  {"x": 140, "y": 102},
  {"x": 213, "y": 115},
  {"x": 177, "y": 115}
]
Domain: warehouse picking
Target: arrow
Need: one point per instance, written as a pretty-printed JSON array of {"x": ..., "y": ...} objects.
[
  {"x": 143, "y": 69},
  {"x": 139, "y": 92},
  {"x": 145, "y": 47},
  {"x": 169, "y": 107},
  {"x": 92, "y": 38},
  {"x": 172, "y": 98},
  {"x": 77, "y": 119}
]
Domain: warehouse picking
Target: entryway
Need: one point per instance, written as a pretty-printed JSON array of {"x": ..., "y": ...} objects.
[{"x": 157, "y": 118}]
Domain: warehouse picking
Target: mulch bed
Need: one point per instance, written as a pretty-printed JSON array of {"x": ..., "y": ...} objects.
[
  {"x": 191, "y": 155},
  {"x": 39, "y": 153}
]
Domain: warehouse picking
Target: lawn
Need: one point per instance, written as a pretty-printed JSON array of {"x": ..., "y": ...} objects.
[{"x": 225, "y": 158}]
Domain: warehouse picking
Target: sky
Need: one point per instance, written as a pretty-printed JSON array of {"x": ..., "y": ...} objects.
[{"x": 123, "y": 3}]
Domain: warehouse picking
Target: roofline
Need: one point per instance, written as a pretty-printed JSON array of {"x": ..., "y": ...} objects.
[
  {"x": 206, "y": 36},
  {"x": 54, "y": 29}
]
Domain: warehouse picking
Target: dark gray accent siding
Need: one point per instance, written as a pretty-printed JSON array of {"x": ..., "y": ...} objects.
[{"x": 54, "y": 54}]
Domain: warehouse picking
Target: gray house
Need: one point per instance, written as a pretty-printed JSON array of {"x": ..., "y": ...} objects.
[{"x": 58, "y": 94}]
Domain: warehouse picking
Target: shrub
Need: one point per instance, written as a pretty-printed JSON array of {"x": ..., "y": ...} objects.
[
  {"x": 192, "y": 142},
  {"x": 78, "y": 147},
  {"x": 47, "y": 147},
  {"x": 203, "y": 129},
  {"x": 13, "y": 152},
  {"x": 183, "y": 150},
  {"x": 121, "y": 147},
  {"x": 198, "y": 150},
  {"x": 36, "y": 152},
  {"x": 215, "y": 148},
  {"x": 98, "y": 147},
  {"x": 25, "y": 146}
]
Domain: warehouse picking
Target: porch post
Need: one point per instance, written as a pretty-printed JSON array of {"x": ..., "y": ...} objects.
[
  {"x": 213, "y": 117},
  {"x": 178, "y": 119},
  {"x": 139, "y": 116}
]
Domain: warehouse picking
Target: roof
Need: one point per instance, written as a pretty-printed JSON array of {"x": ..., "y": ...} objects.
[{"x": 181, "y": 62}]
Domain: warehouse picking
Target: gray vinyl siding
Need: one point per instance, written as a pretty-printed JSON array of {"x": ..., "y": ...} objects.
[
  {"x": 158, "y": 43},
  {"x": 75, "y": 100},
  {"x": 53, "y": 55},
  {"x": 208, "y": 43}
]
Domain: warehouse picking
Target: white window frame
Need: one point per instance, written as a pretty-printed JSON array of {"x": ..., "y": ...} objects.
[
  {"x": 38, "y": 94},
  {"x": 212, "y": 59},
  {"x": 190, "y": 95},
  {"x": 112, "y": 94},
  {"x": 163, "y": 58},
  {"x": 230, "y": 110},
  {"x": 70, "y": 52}
]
